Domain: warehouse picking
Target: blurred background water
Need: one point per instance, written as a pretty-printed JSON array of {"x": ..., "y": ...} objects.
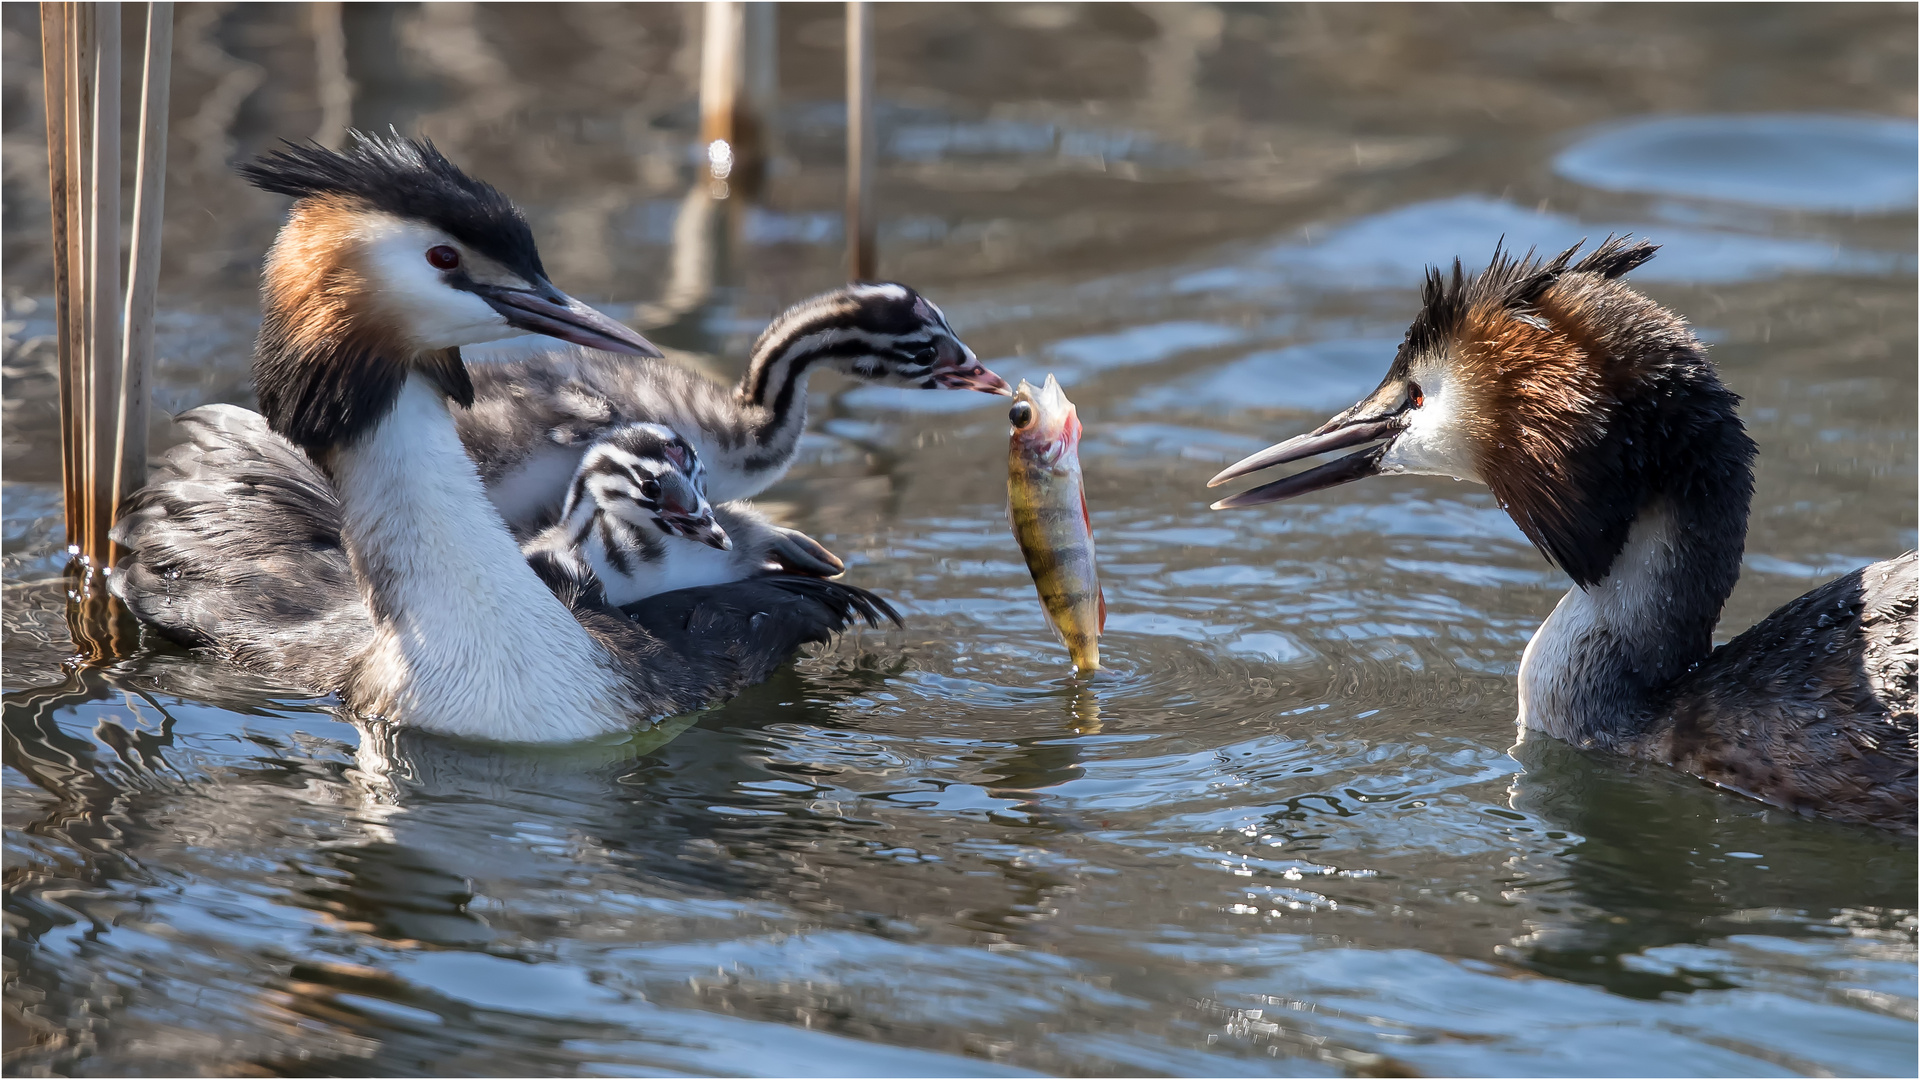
[{"x": 1288, "y": 832}]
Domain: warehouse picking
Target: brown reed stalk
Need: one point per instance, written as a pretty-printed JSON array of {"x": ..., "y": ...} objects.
[
  {"x": 861, "y": 157},
  {"x": 143, "y": 261},
  {"x": 77, "y": 105},
  {"x": 102, "y": 404},
  {"x": 53, "y": 74}
]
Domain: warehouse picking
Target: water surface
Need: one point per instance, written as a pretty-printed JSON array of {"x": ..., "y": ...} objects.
[{"x": 1289, "y": 832}]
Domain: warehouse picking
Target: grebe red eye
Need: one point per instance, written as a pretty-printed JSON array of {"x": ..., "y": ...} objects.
[
  {"x": 1415, "y": 396},
  {"x": 442, "y": 257}
]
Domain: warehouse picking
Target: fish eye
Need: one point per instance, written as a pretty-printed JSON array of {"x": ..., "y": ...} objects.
[
  {"x": 1414, "y": 396},
  {"x": 442, "y": 257},
  {"x": 1021, "y": 414}
]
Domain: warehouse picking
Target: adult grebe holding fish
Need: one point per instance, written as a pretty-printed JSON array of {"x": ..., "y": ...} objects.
[{"x": 1048, "y": 508}]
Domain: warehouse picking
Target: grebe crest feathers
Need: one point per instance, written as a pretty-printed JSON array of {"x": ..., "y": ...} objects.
[
  {"x": 409, "y": 179},
  {"x": 1575, "y": 398}
]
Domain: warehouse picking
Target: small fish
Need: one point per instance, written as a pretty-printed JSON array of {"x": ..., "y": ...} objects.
[{"x": 1048, "y": 507}]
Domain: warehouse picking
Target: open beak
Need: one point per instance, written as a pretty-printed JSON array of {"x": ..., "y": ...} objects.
[
  {"x": 963, "y": 371},
  {"x": 546, "y": 310},
  {"x": 1339, "y": 433}
]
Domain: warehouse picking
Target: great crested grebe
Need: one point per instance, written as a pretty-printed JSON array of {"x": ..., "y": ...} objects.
[
  {"x": 532, "y": 418},
  {"x": 1604, "y": 431},
  {"x": 637, "y": 523},
  {"x": 389, "y": 577}
]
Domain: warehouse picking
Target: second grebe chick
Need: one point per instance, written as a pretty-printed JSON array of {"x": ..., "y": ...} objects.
[
  {"x": 1605, "y": 433},
  {"x": 637, "y": 523}
]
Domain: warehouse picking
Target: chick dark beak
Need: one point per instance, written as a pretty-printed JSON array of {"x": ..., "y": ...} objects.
[
  {"x": 697, "y": 525},
  {"x": 1339, "y": 433},
  {"x": 683, "y": 511},
  {"x": 959, "y": 369},
  {"x": 546, "y": 310},
  {"x": 709, "y": 533}
]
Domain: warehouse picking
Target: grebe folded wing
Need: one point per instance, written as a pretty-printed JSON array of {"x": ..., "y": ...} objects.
[
  {"x": 1812, "y": 708},
  {"x": 724, "y": 638},
  {"x": 268, "y": 587}
]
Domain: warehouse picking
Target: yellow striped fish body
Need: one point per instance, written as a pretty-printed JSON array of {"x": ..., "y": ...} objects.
[{"x": 1049, "y": 510}]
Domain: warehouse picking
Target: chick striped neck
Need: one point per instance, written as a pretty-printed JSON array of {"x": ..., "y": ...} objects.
[
  {"x": 844, "y": 330},
  {"x": 611, "y": 547}
]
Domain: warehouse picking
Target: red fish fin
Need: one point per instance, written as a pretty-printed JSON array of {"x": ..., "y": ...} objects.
[
  {"x": 1103, "y": 611},
  {"x": 1084, "y": 516}
]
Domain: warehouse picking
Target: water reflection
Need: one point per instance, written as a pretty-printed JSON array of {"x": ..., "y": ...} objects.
[{"x": 1663, "y": 860}]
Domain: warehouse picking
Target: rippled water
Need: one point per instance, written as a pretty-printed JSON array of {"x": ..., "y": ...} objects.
[{"x": 1287, "y": 832}]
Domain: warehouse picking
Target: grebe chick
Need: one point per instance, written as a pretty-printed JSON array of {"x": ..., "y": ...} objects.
[
  {"x": 351, "y": 548},
  {"x": 1605, "y": 433},
  {"x": 636, "y": 523},
  {"x": 533, "y": 418}
]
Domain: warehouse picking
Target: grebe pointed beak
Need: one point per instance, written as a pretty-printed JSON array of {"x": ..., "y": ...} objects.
[
  {"x": 684, "y": 511},
  {"x": 544, "y": 309},
  {"x": 1341, "y": 471},
  {"x": 1383, "y": 414},
  {"x": 715, "y": 536},
  {"x": 1337, "y": 434},
  {"x": 694, "y": 525}
]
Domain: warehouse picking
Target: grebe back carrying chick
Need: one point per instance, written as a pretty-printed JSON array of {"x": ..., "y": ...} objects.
[
  {"x": 1605, "y": 433},
  {"x": 390, "y": 260}
]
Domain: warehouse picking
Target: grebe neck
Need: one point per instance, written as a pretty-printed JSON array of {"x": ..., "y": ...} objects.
[
  {"x": 468, "y": 640},
  {"x": 1604, "y": 664}
]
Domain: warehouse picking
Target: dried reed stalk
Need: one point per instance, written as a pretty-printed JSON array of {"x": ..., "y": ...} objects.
[
  {"x": 102, "y": 401},
  {"x": 861, "y": 157},
  {"x": 143, "y": 262},
  {"x": 53, "y": 73}
]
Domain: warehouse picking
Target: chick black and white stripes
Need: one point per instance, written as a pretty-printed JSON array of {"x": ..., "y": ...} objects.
[
  {"x": 879, "y": 332},
  {"x": 637, "y": 524},
  {"x": 533, "y": 418}
]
